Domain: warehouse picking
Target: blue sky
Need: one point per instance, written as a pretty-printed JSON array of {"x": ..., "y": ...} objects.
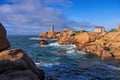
[{"x": 31, "y": 17}]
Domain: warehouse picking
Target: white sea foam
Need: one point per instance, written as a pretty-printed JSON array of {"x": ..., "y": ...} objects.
[
  {"x": 80, "y": 52},
  {"x": 71, "y": 51},
  {"x": 69, "y": 48},
  {"x": 54, "y": 44},
  {"x": 36, "y": 38},
  {"x": 45, "y": 64},
  {"x": 73, "y": 46}
]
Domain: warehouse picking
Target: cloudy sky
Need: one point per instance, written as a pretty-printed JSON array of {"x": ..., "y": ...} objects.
[{"x": 31, "y": 17}]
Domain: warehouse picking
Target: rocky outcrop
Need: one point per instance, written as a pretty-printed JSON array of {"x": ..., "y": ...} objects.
[
  {"x": 43, "y": 42},
  {"x": 57, "y": 35},
  {"x": 48, "y": 35},
  {"x": 102, "y": 52},
  {"x": 82, "y": 38},
  {"x": 105, "y": 45},
  {"x": 66, "y": 40},
  {"x": 65, "y": 37},
  {"x": 16, "y": 65},
  {"x": 4, "y": 43},
  {"x": 113, "y": 36}
]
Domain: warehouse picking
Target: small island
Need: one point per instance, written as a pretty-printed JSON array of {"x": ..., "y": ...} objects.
[{"x": 104, "y": 44}]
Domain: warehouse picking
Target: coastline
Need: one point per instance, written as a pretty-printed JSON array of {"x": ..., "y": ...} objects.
[{"x": 106, "y": 45}]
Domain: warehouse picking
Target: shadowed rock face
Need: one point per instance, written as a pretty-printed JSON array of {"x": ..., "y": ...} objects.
[
  {"x": 4, "y": 43},
  {"x": 16, "y": 65}
]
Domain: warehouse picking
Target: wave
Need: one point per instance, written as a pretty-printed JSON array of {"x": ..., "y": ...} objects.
[
  {"x": 111, "y": 67},
  {"x": 36, "y": 38},
  {"x": 54, "y": 44},
  {"x": 57, "y": 44},
  {"x": 70, "y": 49},
  {"x": 45, "y": 64},
  {"x": 81, "y": 52},
  {"x": 108, "y": 66}
]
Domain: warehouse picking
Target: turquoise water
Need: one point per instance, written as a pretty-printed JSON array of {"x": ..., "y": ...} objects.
[{"x": 75, "y": 65}]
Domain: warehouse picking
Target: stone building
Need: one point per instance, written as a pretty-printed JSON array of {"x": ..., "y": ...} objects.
[
  {"x": 52, "y": 28},
  {"x": 99, "y": 29}
]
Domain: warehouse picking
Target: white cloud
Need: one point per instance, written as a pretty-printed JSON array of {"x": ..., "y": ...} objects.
[{"x": 32, "y": 16}]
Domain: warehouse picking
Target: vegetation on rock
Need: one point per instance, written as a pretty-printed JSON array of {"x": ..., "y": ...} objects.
[
  {"x": 113, "y": 30},
  {"x": 78, "y": 32}
]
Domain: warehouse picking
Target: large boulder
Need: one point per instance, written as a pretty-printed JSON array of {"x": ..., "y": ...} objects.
[
  {"x": 16, "y": 65},
  {"x": 43, "y": 42},
  {"x": 66, "y": 37},
  {"x": 102, "y": 52},
  {"x": 43, "y": 35},
  {"x": 4, "y": 43},
  {"x": 66, "y": 40},
  {"x": 82, "y": 38},
  {"x": 113, "y": 36},
  {"x": 48, "y": 35}
]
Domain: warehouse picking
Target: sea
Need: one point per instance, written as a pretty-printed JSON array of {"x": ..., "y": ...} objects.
[{"x": 73, "y": 65}]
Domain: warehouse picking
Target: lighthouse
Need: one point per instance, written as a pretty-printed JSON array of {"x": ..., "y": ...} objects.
[{"x": 52, "y": 28}]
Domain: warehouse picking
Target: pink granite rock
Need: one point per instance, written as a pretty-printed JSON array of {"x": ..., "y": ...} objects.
[{"x": 4, "y": 43}]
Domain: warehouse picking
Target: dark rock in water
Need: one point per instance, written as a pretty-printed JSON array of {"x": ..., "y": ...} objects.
[
  {"x": 62, "y": 51},
  {"x": 43, "y": 42},
  {"x": 4, "y": 43},
  {"x": 16, "y": 65}
]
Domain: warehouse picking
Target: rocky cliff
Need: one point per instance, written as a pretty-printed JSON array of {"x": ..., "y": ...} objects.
[
  {"x": 100, "y": 45},
  {"x": 105, "y": 45}
]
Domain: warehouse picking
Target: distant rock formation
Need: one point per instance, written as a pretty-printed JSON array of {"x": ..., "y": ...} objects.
[
  {"x": 53, "y": 35},
  {"x": 106, "y": 45},
  {"x": 15, "y": 64},
  {"x": 4, "y": 43}
]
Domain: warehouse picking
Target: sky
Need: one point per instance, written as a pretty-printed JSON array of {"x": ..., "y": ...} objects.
[{"x": 32, "y": 17}]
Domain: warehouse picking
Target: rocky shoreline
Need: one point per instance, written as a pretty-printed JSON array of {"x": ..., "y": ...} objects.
[
  {"x": 15, "y": 64},
  {"x": 106, "y": 45}
]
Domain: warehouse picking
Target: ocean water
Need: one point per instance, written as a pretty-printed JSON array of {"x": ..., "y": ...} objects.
[{"x": 74, "y": 65}]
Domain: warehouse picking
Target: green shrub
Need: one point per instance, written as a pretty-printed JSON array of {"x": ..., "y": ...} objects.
[
  {"x": 113, "y": 30},
  {"x": 78, "y": 32}
]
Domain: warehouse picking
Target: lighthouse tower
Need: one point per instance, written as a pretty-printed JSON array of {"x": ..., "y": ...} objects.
[{"x": 52, "y": 28}]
